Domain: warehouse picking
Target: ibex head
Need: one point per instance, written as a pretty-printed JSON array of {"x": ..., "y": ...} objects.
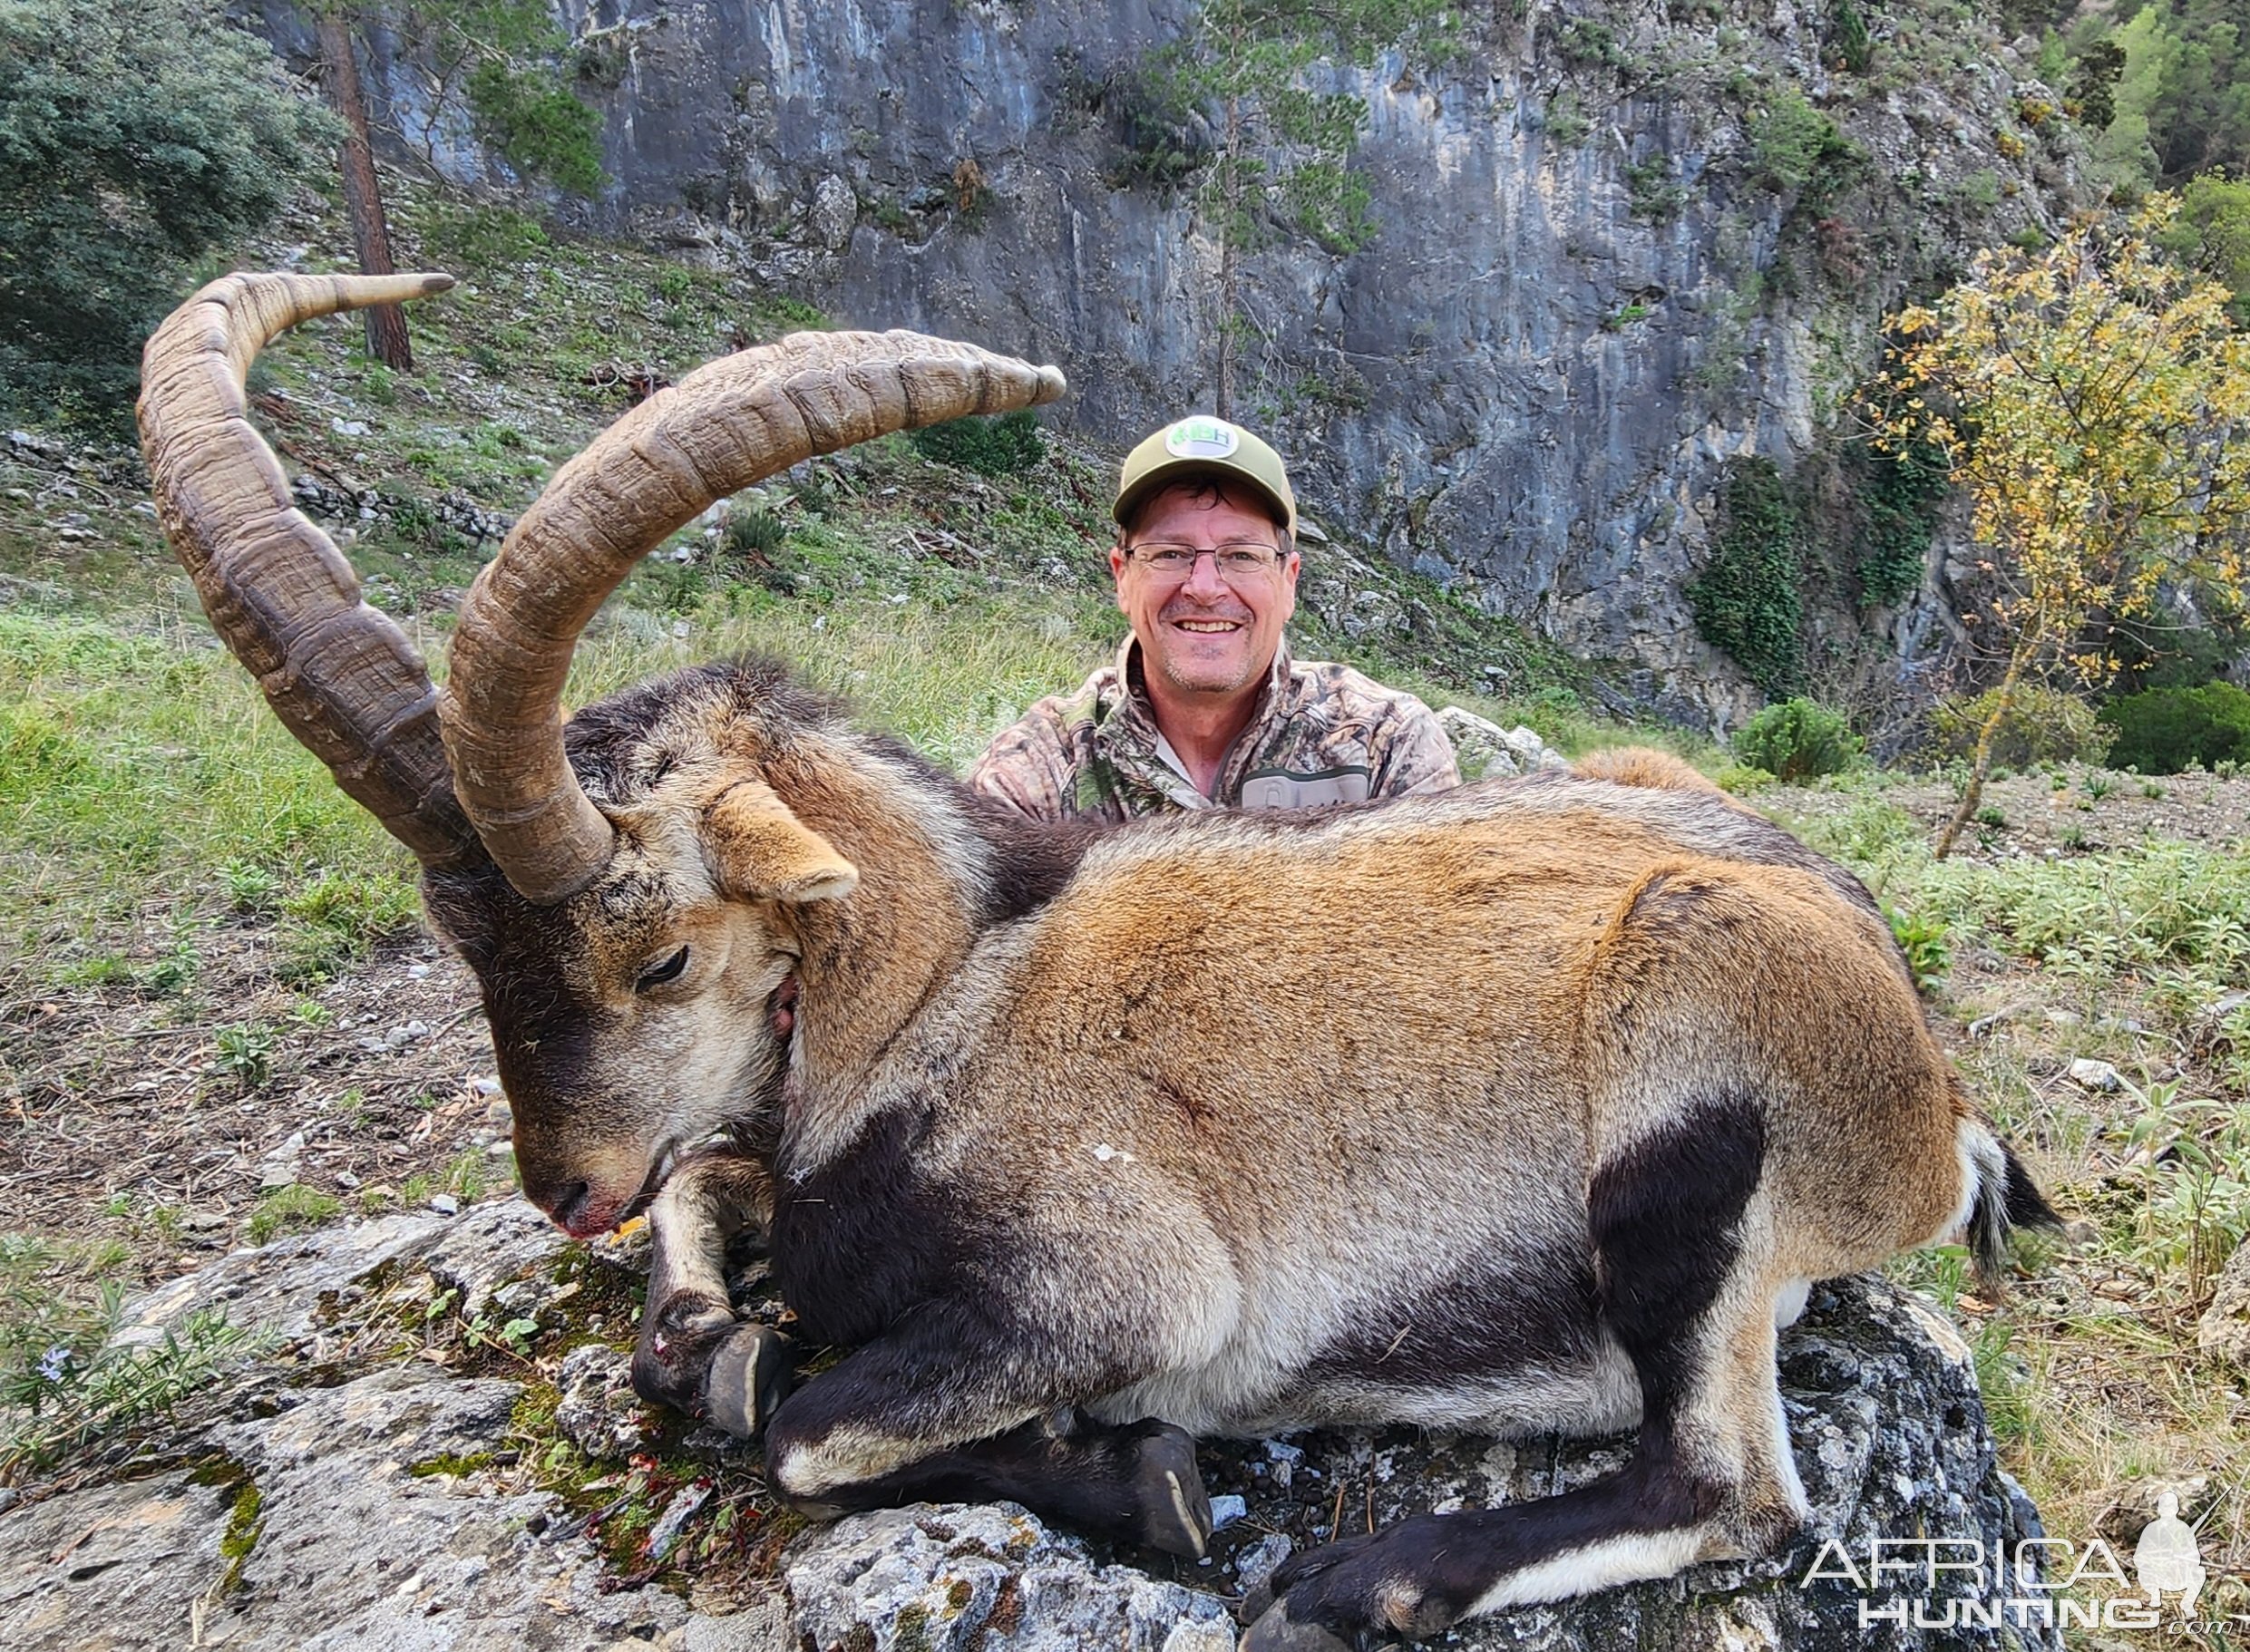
[{"x": 625, "y": 887}]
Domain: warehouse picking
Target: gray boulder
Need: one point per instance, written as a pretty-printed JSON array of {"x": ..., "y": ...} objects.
[
  {"x": 954, "y": 1577},
  {"x": 339, "y": 1491},
  {"x": 1485, "y": 751}
]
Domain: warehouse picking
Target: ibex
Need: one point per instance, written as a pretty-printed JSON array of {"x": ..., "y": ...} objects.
[{"x": 1527, "y": 1107}]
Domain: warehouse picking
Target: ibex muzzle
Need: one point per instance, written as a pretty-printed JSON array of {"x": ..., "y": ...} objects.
[{"x": 1523, "y": 1107}]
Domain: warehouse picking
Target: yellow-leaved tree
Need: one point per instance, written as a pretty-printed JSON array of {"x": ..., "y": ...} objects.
[{"x": 2094, "y": 402}]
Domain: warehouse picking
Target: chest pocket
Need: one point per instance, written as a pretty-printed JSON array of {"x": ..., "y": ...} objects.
[{"x": 1305, "y": 790}]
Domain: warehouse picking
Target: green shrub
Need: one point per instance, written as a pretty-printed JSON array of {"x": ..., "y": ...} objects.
[
  {"x": 538, "y": 124},
  {"x": 1848, "y": 35},
  {"x": 1924, "y": 941},
  {"x": 2044, "y": 726},
  {"x": 2165, "y": 730},
  {"x": 1797, "y": 147},
  {"x": 134, "y": 138},
  {"x": 753, "y": 534},
  {"x": 1797, "y": 740},
  {"x": 1746, "y": 600},
  {"x": 1903, "y": 494},
  {"x": 1006, "y": 446}
]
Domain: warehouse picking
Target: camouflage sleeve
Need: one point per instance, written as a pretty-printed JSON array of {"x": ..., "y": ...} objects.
[
  {"x": 1027, "y": 767},
  {"x": 1415, "y": 755}
]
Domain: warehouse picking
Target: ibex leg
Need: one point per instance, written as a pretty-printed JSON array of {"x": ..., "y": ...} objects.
[
  {"x": 905, "y": 1421},
  {"x": 695, "y": 1354}
]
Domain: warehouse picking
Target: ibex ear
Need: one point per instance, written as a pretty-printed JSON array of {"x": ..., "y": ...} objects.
[{"x": 762, "y": 851}]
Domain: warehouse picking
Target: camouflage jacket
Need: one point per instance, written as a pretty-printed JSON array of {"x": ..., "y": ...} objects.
[{"x": 1323, "y": 734}]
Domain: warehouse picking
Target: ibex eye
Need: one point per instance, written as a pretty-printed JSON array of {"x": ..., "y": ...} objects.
[{"x": 657, "y": 975}]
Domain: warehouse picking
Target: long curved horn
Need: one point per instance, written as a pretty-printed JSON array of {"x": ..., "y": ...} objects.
[
  {"x": 720, "y": 429},
  {"x": 339, "y": 674}
]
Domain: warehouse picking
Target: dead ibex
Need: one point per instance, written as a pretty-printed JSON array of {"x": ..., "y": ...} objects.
[{"x": 1527, "y": 1107}]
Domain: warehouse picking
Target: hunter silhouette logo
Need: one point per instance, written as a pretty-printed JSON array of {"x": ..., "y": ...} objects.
[{"x": 2167, "y": 1560}]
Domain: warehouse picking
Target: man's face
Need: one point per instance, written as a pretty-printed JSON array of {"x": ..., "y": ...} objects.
[{"x": 1205, "y": 634}]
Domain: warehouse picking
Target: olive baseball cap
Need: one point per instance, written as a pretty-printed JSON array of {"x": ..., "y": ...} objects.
[{"x": 1203, "y": 446}]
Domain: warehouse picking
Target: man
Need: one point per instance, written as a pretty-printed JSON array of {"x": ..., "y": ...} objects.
[{"x": 1204, "y": 708}]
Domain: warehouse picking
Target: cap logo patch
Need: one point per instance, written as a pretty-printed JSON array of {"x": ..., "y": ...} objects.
[{"x": 1202, "y": 438}]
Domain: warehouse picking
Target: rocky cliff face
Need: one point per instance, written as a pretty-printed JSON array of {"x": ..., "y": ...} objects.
[{"x": 1610, "y": 248}]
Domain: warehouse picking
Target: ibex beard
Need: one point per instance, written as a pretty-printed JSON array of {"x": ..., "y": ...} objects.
[{"x": 1532, "y": 1106}]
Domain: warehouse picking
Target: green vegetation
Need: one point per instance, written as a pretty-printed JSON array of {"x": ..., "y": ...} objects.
[
  {"x": 63, "y": 1383},
  {"x": 2212, "y": 234},
  {"x": 2041, "y": 725},
  {"x": 246, "y": 1052},
  {"x": 2167, "y": 906},
  {"x": 290, "y": 1209},
  {"x": 1281, "y": 158},
  {"x": 1902, "y": 495},
  {"x": 2166, "y": 730},
  {"x": 517, "y": 78},
  {"x": 1797, "y": 147},
  {"x": 1748, "y": 599},
  {"x": 1924, "y": 941},
  {"x": 1848, "y": 38},
  {"x": 94, "y": 823},
  {"x": 135, "y": 137},
  {"x": 2182, "y": 100},
  {"x": 1797, "y": 740},
  {"x": 238, "y": 1542},
  {"x": 1008, "y": 445},
  {"x": 752, "y": 534}
]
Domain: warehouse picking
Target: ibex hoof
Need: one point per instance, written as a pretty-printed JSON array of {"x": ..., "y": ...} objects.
[
  {"x": 1275, "y": 1632},
  {"x": 1175, "y": 1514},
  {"x": 749, "y": 1379}
]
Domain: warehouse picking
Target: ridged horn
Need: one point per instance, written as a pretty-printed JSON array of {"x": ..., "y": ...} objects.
[
  {"x": 339, "y": 674},
  {"x": 720, "y": 429}
]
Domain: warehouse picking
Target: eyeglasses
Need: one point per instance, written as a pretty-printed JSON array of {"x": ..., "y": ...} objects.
[{"x": 1237, "y": 559}]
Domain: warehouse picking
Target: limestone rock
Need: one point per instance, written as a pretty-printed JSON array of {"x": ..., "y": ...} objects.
[
  {"x": 2096, "y": 1075},
  {"x": 988, "y": 1576},
  {"x": 835, "y": 210},
  {"x": 1890, "y": 1441},
  {"x": 294, "y": 1287},
  {"x": 351, "y": 1547},
  {"x": 1485, "y": 751},
  {"x": 381, "y": 1516},
  {"x": 598, "y": 1412}
]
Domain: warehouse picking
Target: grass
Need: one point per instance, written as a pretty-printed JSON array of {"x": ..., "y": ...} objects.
[
  {"x": 132, "y": 767},
  {"x": 291, "y": 1209}
]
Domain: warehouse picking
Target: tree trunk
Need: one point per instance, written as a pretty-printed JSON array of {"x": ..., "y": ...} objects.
[
  {"x": 1230, "y": 226},
  {"x": 1981, "y": 764},
  {"x": 363, "y": 191}
]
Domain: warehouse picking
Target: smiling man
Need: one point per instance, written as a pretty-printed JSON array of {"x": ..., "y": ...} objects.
[{"x": 1204, "y": 707}]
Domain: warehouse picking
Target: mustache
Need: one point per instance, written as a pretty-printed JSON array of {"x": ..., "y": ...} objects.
[{"x": 1192, "y": 610}]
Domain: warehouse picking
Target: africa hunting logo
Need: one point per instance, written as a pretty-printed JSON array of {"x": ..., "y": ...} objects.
[{"x": 2034, "y": 1583}]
